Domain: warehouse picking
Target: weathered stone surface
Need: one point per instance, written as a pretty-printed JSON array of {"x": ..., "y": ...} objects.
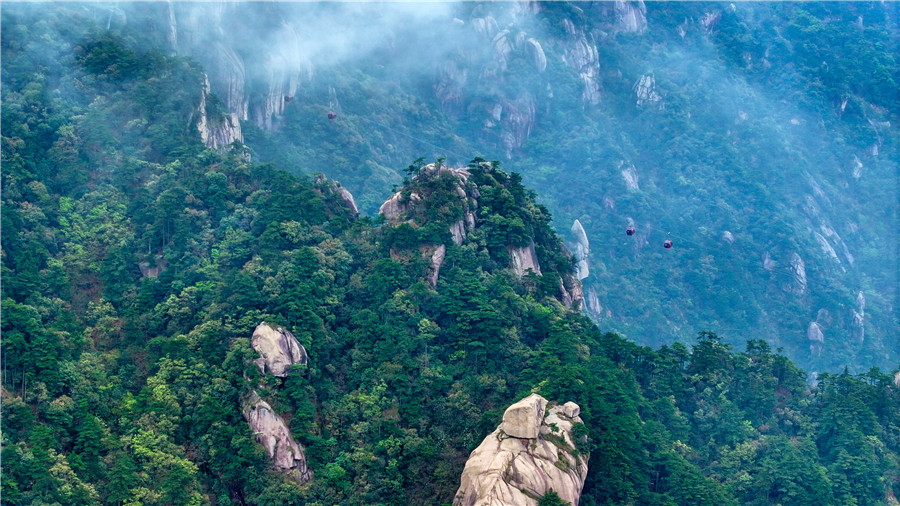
[
  {"x": 393, "y": 208},
  {"x": 159, "y": 265},
  {"x": 278, "y": 349},
  {"x": 581, "y": 55},
  {"x": 523, "y": 419},
  {"x": 507, "y": 470},
  {"x": 571, "y": 410},
  {"x": 798, "y": 273},
  {"x": 325, "y": 187},
  {"x": 437, "y": 255},
  {"x": 396, "y": 207},
  {"x": 572, "y": 293},
  {"x": 592, "y": 303},
  {"x": 537, "y": 54},
  {"x": 272, "y": 432},
  {"x": 524, "y": 259},
  {"x": 816, "y": 337},
  {"x": 645, "y": 91},
  {"x": 348, "y": 199},
  {"x": 629, "y": 174},
  {"x": 458, "y": 231},
  {"x": 217, "y": 132},
  {"x": 814, "y": 333},
  {"x": 631, "y": 16},
  {"x": 581, "y": 248},
  {"x": 517, "y": 121}
]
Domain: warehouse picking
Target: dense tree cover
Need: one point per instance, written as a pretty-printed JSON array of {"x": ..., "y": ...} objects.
[{"x": 136, "y": 264}]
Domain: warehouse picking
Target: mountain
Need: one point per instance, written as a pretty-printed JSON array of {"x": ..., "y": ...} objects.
[
  {"x": 192, "y": 319},
  {"x": 760, "y": 137}
]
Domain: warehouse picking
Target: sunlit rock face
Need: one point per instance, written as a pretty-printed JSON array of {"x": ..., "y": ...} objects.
[
  {"x": 278, "y": 349},
  {"x": 272, "y": 432},
  {"x": 530, "y": 453}
]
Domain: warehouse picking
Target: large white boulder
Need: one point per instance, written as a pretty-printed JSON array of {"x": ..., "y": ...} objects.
[
  {"x": 272, "y": 432},
  {"x": 530, "y": 453},
  {"x": 278, "y": 349}
]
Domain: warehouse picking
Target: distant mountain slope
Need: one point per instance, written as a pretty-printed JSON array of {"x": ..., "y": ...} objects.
[{"x": 760, "y": 137}]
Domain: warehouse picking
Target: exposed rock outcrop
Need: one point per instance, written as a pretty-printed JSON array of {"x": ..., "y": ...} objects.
[
  {"x": 798, "y": 274},
  {"x": 332, "y": 188},
  {"x": 629, "y": 174},
  {"x": 400, "y": 205},
  {"x": 581, "y": 248},
  {"x": 218, "y": 129},
  {"x": 530, "y": 453},
  {"x": 816, "y": 337},
  {"x": 436, "y": 254},
  {"x": 524, "y": 259},
  {"x": 272, "y": 432},
  {"x": 631, "y": 16},
  {"x": 858, "y": 324},
  {"x": 592, "y": 303},
  {"x": 646, "y": 93},
  {"x": 278, "y": 349},
  {"x": 571, "y": 292},
  {"x": 582, "y": 56},
  {"x": 517, "y": 122},
  {"x": 153, "y": 270}
]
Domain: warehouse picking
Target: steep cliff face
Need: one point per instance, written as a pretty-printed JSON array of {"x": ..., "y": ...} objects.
[
  {"x": 218, "y": 129},
  {"x": 582, "y": 56},
  {"x": 253, "y": 86},
  {"x": 270, "y": 430},
  {"x": 529, "y": 454},
  {"x": 524, "y": 259},
  {"x": 581, "y": 248}
]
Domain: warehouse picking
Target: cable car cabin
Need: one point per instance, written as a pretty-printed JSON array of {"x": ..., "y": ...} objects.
[
  {"x": 629, "y": 231},
  {"x": 331, "y": 115},
  {"x": 667, "y": 244},
  {"x": 288, "y": 98}
]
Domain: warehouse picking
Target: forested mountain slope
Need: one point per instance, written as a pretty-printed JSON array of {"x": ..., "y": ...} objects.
[
  {"x": 137, "y": 262},
  {"x": 760, "y": 137}
]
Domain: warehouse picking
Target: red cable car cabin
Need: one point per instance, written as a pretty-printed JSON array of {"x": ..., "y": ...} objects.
[{"x": 667, "y": 244}]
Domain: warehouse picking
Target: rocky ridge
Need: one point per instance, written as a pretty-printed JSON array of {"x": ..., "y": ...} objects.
[{"x": 454, "y": 193}]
